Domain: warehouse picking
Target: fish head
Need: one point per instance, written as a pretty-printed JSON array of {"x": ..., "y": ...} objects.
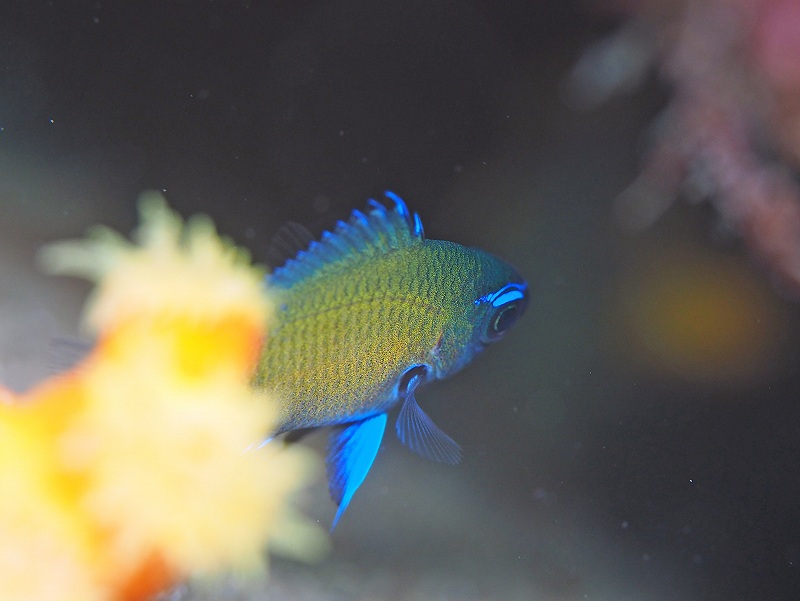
[{"x": 486, "y": 301}]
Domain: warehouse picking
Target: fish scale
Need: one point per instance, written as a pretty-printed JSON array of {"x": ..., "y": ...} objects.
[{"x": 367, "y": 314}]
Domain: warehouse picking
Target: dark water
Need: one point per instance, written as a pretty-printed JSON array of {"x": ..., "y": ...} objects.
[{"x": 635, "y": 438}]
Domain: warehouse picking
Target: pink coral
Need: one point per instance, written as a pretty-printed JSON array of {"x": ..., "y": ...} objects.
[{"x": 731, "y": 132}]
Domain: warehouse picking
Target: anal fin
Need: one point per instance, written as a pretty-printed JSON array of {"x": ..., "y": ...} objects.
[{"x": 351, "y": 453}]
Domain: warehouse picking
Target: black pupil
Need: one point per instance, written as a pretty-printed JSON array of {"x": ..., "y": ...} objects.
[
  {"x": 408, "y": 375},
  {"x": 505, "y": 318}
]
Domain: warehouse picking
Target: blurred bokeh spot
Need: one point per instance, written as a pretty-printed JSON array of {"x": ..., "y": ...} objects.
[{"x": 699, "y": 316}]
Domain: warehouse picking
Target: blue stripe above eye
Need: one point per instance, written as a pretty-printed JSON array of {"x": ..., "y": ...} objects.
[{"x": 507, "y": 294}]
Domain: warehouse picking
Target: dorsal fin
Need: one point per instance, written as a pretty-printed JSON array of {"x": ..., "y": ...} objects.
[
  {"x": 290, "y": 239},
  {"x": 379, "y": 230}
]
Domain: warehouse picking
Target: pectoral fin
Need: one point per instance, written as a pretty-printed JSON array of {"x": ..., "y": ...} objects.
[
  {"x": 350, "y": 456},
  {"x": 418, "y": 432}
]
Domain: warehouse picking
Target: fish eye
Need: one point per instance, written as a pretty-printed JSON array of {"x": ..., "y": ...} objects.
[
  {"x": 508, "y": 304},
  {"x": 410, "y": 379}
]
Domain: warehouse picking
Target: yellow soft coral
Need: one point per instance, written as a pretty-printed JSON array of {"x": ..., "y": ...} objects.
[
  {"x": 45, "y": 544},
  {"x": 132, "y": 470}
]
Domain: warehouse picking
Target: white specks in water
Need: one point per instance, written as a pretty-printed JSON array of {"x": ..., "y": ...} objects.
[
  {"x": 697, "y": 559},
  {"x": 625, "y": 525}
]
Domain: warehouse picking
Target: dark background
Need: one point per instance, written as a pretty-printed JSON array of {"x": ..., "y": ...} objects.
[{"x": 597, "y": 465}]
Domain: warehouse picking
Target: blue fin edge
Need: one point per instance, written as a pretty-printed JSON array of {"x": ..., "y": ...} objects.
[
  {"x": 378, "y": 230},
  {"x": 352, "y": 450}
]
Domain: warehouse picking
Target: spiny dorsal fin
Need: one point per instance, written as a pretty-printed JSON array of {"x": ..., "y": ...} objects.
[
  {"x": 379, "y": 230},
  {"x": 290, "y": 240}
]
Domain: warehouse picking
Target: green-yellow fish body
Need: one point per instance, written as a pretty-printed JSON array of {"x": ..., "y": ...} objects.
[{"x": 367, "y": 314}]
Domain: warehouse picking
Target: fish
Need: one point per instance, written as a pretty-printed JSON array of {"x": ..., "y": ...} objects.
[{"x": 367, "y": 314}]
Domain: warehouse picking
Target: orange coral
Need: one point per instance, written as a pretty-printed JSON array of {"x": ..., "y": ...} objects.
[{"x": 131, "y": 471}]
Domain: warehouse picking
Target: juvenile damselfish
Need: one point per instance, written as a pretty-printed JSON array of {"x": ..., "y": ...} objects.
[{"x": 366, "y": 315}]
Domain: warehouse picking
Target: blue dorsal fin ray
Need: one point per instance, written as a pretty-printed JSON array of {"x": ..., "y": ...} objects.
[
  {"x": 379, "y": 229},
  {"x": 351, "y": 453},
  {"x": 418, "y": 432}
]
